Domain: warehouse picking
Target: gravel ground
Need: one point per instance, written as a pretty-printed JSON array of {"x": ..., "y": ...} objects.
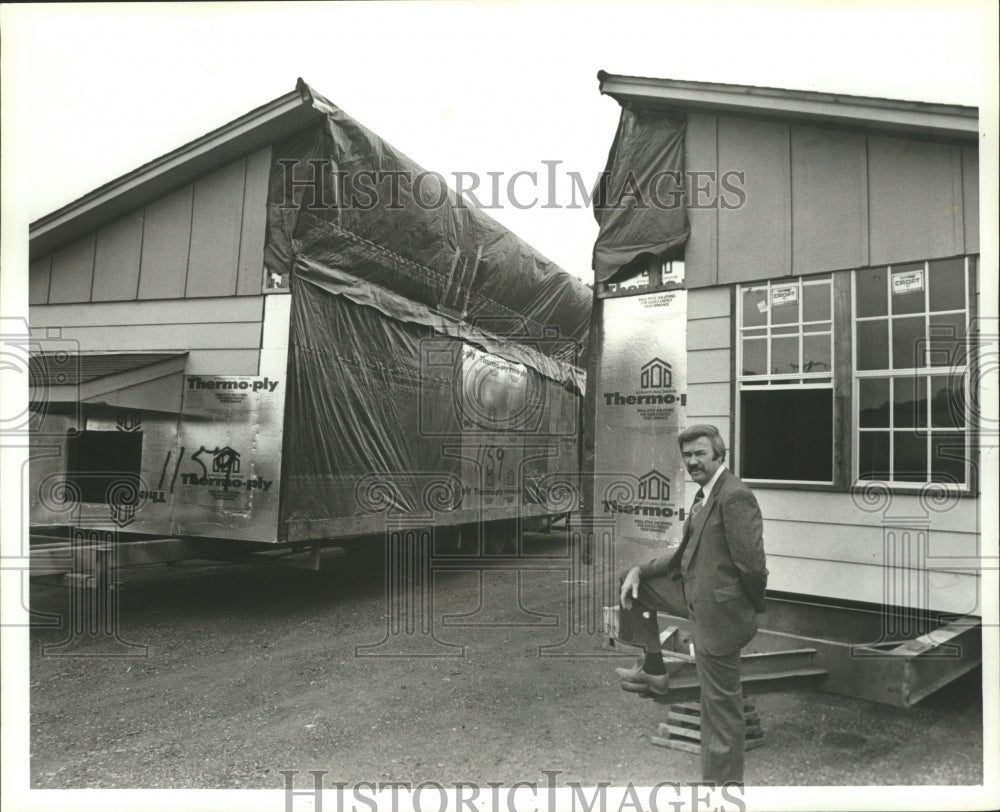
[{"x": 250, "y": 671}]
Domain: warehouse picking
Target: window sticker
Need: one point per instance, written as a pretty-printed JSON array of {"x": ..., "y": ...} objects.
[{"x": 908, "y": 282}]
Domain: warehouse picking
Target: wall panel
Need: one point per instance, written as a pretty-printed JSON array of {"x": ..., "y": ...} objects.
[
  {"x": 829, "y": 199},
  {"x": 221, "y": 336},
  {"x": 947, "y": 592},
  {"x": 216, "y": 223},
  {"x": 116, "y": 260},
  {"x": 830, "y": 508},
  {"x": 710, "y": 366},
  {"x": 707, "y": 398},
  {"x": 210, "y": 311},
  {"x": 165, "y": 244},
  {"x": 913, "y": 207},
  {"x": 73, "y": 272},
  {"x": 706, "y": 303},
  {"x": 250, "y": 277},
  {"x": 701, "y": 265},
  {"x": 755, "y": 239},
  {"x": 39, "y": 276},
  {"x": 164, "y": 337},
  {"x": 708, "y": 334},
  {"x": 970, "y": 198},
  {"x": 857, "y": 544}
]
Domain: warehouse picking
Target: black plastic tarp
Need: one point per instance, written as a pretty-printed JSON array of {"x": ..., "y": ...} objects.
[
  {"x": 423, "y": 338},
  {"x": 384, "y": 219},
  {"x": 640, "y": 204}
]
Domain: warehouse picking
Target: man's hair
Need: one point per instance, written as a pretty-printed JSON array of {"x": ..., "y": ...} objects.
[{"x": 704, "y": 430}]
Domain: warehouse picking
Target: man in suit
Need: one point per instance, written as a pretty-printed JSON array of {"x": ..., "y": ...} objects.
[{"x": 716, "y": 578}]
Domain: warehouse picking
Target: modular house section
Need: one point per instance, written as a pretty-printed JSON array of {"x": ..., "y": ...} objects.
[
  {"x": 215, "y": 354},
  {"x": 829, "y": 248}
]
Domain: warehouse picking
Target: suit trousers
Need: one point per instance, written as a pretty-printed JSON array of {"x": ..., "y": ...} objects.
[{"x": 722, "y": 722}]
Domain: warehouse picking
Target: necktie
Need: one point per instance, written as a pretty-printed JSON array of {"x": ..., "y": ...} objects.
[
  {"x": 699, "y": 498},
  {"x": 695, "y": 507}
]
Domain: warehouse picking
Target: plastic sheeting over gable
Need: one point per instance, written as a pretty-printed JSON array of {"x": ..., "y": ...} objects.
[
  {"x": 640, "y": 204},
  {"x": 343, "y": 198}
]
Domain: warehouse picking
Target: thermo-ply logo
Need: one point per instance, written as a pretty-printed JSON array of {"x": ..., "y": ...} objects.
[
  {"x": 656, "y": 387},
  {"x": 655, "y": 487},
  {"x": 649, "y": 495},
  {"x": 656, "y": 374}
]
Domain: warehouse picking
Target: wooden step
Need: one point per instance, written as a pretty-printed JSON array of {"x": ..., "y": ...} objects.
[
  {"x": 682, "y": 730},
  {"x": 686, "y": 687}
]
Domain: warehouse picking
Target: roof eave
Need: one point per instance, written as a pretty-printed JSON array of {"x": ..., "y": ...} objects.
[
  {"x": 176, "y": 169},
  {"x": 939, "y": 120},
  {"x": 112, "y": 381}
]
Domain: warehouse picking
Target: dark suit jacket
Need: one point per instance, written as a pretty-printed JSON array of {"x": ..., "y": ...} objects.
[{"x": 721, "y": 565}]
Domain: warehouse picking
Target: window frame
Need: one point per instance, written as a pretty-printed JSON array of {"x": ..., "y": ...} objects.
[
  {"x": 922, "y": 373},
  {"x": 786, "y": 381},
  {"x": 846, "y": 377}
]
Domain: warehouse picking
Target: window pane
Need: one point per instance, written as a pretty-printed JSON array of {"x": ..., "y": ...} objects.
[
  {"x": 947, "y": 401},
  {"x": 947, "y": 340},
  {"x": 873, "y": 402},
  {"x": 754, "y": 356},
  {"x": 815, "y": 302},
  {"x": 754, "y": 307},
  {"x": 787, "y": 434},
  {"x": 910, "y": 402},
  {"x": 873, "y": 344},
  {"x": 873, "y": 455},
  {"x": 816, "y": 328},
  {"x": 785, "y": 314},
  {"x": 907, "y": 299},
  {"x": 756, "y": 331},
  {"x": 871, "y": 292},
  {"x": 792, "y": 330},
  {"x": 908, "y": 343},
  {"x": 816, "y": 355},
  {"x": 909, "y": 456},
  {"x": 947, "y": 284},
  {"x": 784, "y": 355},
  {"x": 949, "y": 457}
]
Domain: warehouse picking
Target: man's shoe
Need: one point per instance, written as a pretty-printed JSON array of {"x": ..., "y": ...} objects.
[
  {"x": 637, "y": 681},
  {"x": 630, "y": 674}
]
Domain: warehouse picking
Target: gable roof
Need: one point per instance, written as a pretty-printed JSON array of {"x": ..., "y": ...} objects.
[
  {"x": 177, "y": 168},
  {"x": 925, "y": 118}
]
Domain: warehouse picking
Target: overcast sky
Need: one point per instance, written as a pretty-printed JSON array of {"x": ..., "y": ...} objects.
[{"x": 91, "y": 91}]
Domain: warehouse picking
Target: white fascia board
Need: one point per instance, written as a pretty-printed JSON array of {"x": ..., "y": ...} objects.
[{"x": 939, "y": 120}]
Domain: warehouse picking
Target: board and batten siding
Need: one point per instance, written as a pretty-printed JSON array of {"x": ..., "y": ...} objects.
[
  {"x": 821, "y": 199},
  {"x": 907, "y": 552},
  {"x": 202, "y": 240},
  {"x": 221, "y": 335}
]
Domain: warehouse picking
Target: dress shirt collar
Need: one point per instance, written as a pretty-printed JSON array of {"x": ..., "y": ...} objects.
[{"x": 706, "y": 489}]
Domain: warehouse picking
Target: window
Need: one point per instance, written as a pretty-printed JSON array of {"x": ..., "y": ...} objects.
[
  {"x": 911, "y": 372},
  {"x": 857, "y": 376},
  {"x": 100, "y": 462},
  {"x": 785, "y": 380}
]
